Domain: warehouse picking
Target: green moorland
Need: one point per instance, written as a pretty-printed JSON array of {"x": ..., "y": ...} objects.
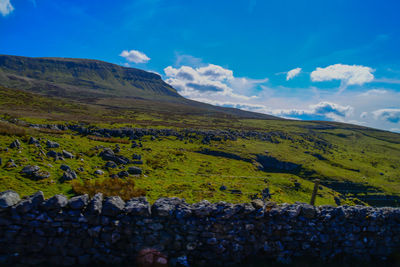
[{"x": 351, "y": 161}]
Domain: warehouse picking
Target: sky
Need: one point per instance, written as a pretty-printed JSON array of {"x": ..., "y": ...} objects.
[{"x": 312, "y": 60}]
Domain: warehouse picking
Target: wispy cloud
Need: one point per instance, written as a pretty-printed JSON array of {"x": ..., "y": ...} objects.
[
  {"x": 6, "y": 7},
  {"x": 292, "y": 73},
  {"x": 135, "y": 56}
]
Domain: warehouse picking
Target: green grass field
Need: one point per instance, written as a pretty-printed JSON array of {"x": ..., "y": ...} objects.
[{"x": 349, "y": 160}]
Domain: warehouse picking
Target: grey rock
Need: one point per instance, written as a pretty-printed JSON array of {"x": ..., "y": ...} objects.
[
  {"x": 65, "y": 167},
  {"x": 111, "y": 164},
  {"x": 56, "y": 202},
  {"x": 107, "y": 154},
  {"x": 257, "y": 203},
  {"x": 67, "y": 155},
  {"x": 113, "y": 206},
  {"x": 11, "y": 164},
  {"x": 308, "y": 211},
  {"x": 30, "y": 170},
  {"x": 51, "y": 144},
  {"x": 136, "y": 157},
  {"x": 15, "y": 144},
  {"x": 33, "y": 141},
  {"x": 134, "y": 170},
  {"x": 8, "y": 199},
  {"x": 39, "y": 175},
  {"x": 79, "y": 202},
  {"x": 95, "y": 205},
  {"x": 69, "y": 175},
  {"x": 30, "y": 202},
  {"x": 99, "y": 172},
  {"x": 164, "y": 207},
  {"x": 138, "y": 206},
  {"x": 52, "y": 154},
  {"x": 203, "y": 208},
  {"x": 123, "y": 174}
]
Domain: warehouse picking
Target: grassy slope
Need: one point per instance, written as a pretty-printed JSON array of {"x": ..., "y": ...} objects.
[{"x": 174, "y": 168}]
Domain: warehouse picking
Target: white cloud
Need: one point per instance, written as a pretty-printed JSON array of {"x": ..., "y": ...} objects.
[
  {"x": 389, "y": 114},
  {"x": 135, "y": 56},
  {"x": 347, "y": 74},
  {"x": 5, "y": 7},
  {"x": 209, "y": 82},
  {"x": 374, "y": 92},
  {"x": 332, "y": 110},
  {"x": 326, "y": 109},
  {"x": 292, "y": 73}
]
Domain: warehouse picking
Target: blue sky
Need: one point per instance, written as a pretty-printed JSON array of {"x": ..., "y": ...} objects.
[{"x": 326, "y": 60}]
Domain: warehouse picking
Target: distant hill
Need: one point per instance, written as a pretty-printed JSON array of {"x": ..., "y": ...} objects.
[
  {"x": 66, "y": 76},
  {"x": 97, "y": 82}
]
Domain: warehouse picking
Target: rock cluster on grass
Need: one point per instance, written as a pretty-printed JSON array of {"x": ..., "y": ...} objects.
[
  {"x": 206, "y": 136},
  {"x": 15, "y": 144},
  {"x": 82, "y": 230},
  {"x": 33, "y": 172}
]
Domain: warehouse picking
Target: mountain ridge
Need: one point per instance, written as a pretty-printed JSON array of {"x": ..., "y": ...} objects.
[{"x": 98, "y": 82}]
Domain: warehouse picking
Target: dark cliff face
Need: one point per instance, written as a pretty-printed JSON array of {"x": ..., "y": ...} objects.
[{"x": 69, "y": 76}]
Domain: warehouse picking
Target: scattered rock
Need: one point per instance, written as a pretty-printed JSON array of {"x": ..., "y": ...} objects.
[
  {"x": 67, "y": 155},
  {"x": 29, "y": 170},
  {"x": 98, "y": 172},
  {"x": 69, "y": 175},
  {"x": 51, "y": 144},
  {"x": 134, "y": 170},
  {"x": 65, "y": 167},
  {"x": 11, "y": 164},
  {"x": 123, "y": 174},
  {"x": 111, "y": 164},
  {"x": 33, "y": 141},
  {"x": 136, "y": 157},
  {"x": 52, "y": 154},
  {"x": 236, "y": 191},
  {"x": 34, "y": 172},
  {"x": 15, "y": 144}
]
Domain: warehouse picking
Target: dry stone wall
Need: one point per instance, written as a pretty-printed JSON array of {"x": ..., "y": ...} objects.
[{"x": 81, "y": 230}]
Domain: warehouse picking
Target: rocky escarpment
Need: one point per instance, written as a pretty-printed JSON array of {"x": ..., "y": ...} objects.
[{"x": 82, "y": 230}]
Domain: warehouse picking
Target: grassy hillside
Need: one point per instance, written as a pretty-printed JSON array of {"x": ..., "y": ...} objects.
[{"x": 351, "y": 161}]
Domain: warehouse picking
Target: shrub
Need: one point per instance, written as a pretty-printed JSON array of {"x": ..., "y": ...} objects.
[
  {"x": 125, "y": 188},
  {"x": 11, "y": 129}
]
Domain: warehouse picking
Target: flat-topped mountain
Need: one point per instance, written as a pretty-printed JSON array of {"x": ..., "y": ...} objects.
[
  {"x": 66, "y": 76},
  {"x": 106, "y": 84}
]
